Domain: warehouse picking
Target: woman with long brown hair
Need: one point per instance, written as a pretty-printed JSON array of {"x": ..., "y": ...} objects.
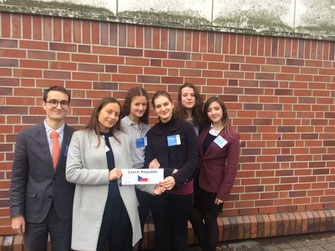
[
  {"x": 219, "y": 150},
  {"x": 104, "y": 213},
  {"x": 135, "y": 124},
  {"x": 189, "y": 107}
]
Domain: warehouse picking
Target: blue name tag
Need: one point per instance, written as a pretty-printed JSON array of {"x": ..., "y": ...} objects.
[
  {"x": 141, "y": 142},
  {"x": 221, "y": 142},
  {"x": 173, "y": 140},
  {"x": 66, "y": 149}
]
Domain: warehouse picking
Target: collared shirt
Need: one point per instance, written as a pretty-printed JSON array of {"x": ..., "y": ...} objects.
[
  {"x": 131, "y": 129},
  {"x": 213, "y": 132},
  {"x": 60, "y": 131}
]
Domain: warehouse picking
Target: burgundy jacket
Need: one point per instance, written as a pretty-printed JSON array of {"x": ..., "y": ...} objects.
[{"x": 218, "y": 167}]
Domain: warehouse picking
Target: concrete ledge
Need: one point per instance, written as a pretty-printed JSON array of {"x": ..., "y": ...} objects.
[{"x": 233, "y": 228}]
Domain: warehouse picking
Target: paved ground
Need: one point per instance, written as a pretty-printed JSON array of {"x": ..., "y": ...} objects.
[{"x": 304, "y": 242}]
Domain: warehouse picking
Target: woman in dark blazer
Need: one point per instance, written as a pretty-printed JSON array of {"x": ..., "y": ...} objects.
[
  {"x": 173, "y": 143},
  {"x": 219, "y": 150}
]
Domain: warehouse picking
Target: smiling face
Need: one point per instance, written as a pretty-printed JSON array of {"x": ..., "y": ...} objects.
[
  {"x": 138, "y": 107},
  {"x": 108, "y": 116},
  {"x": 188, "y": 97},
  {"x": 215, "y": 112},
  {"x": 57, "y": 113},
  {"x": 163, "y": 108}
]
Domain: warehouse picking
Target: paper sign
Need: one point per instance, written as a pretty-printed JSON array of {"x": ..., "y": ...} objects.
[{"x": 142, "y": 176}]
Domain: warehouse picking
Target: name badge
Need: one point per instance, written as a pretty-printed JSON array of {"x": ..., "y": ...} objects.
[
  {"x": 66, "y": 150},
  {"x": 221, "y": 142},
  {"x": 142, "y": 176},
  {"x": 173, "y": 140},
  {"x": 141, "y": 142}
]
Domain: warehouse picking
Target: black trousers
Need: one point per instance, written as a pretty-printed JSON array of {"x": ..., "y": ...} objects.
[
  {"x": 171, "y": 213},
  {"x": 145, "y": 205},
  {"x": 36, "y": 235},
  {"x": 115, "y": 231}
]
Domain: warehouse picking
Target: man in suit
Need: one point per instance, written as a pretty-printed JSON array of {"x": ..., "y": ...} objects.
[{"x": 40, "y": 197}]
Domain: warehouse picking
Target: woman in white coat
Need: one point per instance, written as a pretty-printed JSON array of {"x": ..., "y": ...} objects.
[{"x": 103, "y": 211}]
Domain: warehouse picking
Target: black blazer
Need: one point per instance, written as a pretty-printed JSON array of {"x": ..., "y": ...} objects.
[
  {"x": 35, "y": 184},
  {"x": 183, "y": 157}
]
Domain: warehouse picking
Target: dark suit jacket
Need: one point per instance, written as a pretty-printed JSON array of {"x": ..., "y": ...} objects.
[
  {"x": 218, "y": 166},
  {"x": 35, "y": 184}
]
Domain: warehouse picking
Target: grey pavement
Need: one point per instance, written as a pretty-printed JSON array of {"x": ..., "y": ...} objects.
[{"x": 304, "y": 242}]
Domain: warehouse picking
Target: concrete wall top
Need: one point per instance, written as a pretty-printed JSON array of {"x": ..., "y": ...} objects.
[{"x": 290, "y": 18}]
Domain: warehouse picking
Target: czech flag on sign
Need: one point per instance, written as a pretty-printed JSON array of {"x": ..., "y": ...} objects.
[{"x": 141, "y": 179}]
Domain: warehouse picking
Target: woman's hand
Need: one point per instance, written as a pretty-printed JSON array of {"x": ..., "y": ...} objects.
[
  {"x": 115, "y": 174},
  {"x": 154, "y": 164},
  {"x": 218, "y": 201},
  {"x": 159, "y": 190},
  {"x": 168, "y": 183}
]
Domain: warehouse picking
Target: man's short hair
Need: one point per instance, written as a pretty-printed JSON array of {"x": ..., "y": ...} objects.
[{"x": 56, "y": 88}]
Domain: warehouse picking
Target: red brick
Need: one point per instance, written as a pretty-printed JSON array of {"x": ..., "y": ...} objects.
[
  {"x": 28, "y": 44},
  {"x": 67, "y": 30},
  {"x": 174, "y": 63},
  {"x": 130, "y": 52},
  {"x": 148, "y": 79},
  {"x": 63, "y": 66},
  {"x": 155, "y": 54},
  {"x": 57, "y": 74},
  {"x": 86, "y": 58},
  {"x": 57, "y": 29},
  {"x": 194, "y": 73},
  {"x": 91, "y": 67},
  {"x": 26, "y": 26},
  {"x": 77, "y": 31},
  {"x": 27, "y": 73},
  {"x": 33, "y": 64},
  {"x": 179, "y": 55},
  {"x": 136, "y": 61},
  {"x": 12, "y": 53},
  {"x": 105, "y": 86},
  {"x": 86, "y": 31},
  {"x": 63, "y": 47},
  {"x": 83, "y": 76},
  {"x": 41, "y": 55},
  {"x": 37, "y": 27},
  {"x": 84, "y": 48},
  {"x": 13, "y": 110},
  {"x": 123, "y": 78},
  {"x": 155, "y": 71}
]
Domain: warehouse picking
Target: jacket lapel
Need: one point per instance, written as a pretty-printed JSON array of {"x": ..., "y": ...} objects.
[
  {"x": 66, "y": 139},
  {"x": 213, "y": 148},
  {"x": 41, "y": 136}
]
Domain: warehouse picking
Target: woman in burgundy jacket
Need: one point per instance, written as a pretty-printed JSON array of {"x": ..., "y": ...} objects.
[{"x": 219, "y": 150}]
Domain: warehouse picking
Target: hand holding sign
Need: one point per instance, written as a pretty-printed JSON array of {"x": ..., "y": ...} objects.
[
  {"x": 115, "y": 173},
  {"x": 168, "y": 183},
  {"x": 154, "y": 164},
  {"x": 159, "y": 190}
]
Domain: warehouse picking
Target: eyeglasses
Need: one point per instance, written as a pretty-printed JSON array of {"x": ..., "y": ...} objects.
[{"x": 54, "y": 103}]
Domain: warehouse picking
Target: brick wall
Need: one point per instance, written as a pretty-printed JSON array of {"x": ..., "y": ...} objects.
[{"x": 279, "y": 93}]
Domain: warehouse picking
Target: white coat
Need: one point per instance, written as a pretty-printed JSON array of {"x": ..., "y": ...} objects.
[{"x": 87, "y": 167}]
